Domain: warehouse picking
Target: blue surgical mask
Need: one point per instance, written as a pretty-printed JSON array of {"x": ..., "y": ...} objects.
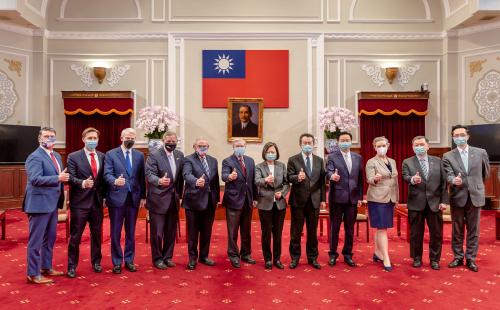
[
  {"x": 202, "y": 151},
  {"x": 419, "y": 150},
  {"x": 91, "y": 144},
  {"x": 345, "y": 145},
  {"x": 239, "y": 151},
  {"x": 271, "y": 156},
  {"x": 49, "y": 142},
  {"x": 459, "y": 140},
  {"x": 307, "y": 149}
]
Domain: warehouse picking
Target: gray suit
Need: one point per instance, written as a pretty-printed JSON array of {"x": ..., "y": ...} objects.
[
  {"x": 423, "y": 205},
  {"x": 466, "y": 199}
]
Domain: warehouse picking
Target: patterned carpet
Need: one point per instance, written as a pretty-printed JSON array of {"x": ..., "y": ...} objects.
[{"x": 252, "y": 287}]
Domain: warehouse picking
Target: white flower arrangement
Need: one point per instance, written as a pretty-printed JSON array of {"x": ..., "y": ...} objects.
[
  {"x": 156, "y": 121},
  {"x": 333, "y": 120}
]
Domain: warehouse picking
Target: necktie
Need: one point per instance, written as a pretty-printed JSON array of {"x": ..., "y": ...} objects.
[
  {"x": 93, "y": 164},
  {"x": 465, "y": 160},
  {"x": 425, "y": 168},
  {"x": 308, "y": 165},
  {"x": 348, "y": 162},
  {"x": 205, "y": 166},
  {"x": 243, "y": 168},
  {"x": 172, "y": 164},
  {"x": 128, "y": 164},
  {"x": 54, "y": 161}
]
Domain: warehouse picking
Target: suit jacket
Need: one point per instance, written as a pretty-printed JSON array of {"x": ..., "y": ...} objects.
[
  {"x": 241, "y": 189},
  {"x": 473, "y": 180},
  {"x": 266, "y": 192},
  {"x": 114, "y": 166},
  {"x": 313, "y": 186},
  {"x": 160, "y": 198},
  {"x": 432, "y": 191},
  {"x": 44, "y": 193},
  {"x": 196, "y": 198},
  {"x": 251, "y": 130},
  {"x": 387, "y": 189},
  {"x": 79, "y": 170},
  {"x": 349, "y": 189}
]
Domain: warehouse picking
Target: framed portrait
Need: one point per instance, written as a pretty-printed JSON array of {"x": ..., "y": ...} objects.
[{"x": 245, "y": 118}]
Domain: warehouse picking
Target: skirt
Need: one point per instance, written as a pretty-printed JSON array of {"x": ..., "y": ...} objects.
[{"x": 381, "y": 214}]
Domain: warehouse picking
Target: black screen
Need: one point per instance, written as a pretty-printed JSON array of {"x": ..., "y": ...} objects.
[
  {"x": 486, "y": 137},
  {"x": 17, "y": 142}
]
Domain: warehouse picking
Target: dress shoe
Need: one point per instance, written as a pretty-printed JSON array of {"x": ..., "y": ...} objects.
[
  {"x": 349, "y": 262},
  {"x": 435, "y": 265},
  {"x": 191, "y": 265},
  {"x": 161, "y": 265},
  {"x": 117, "y": 269},
  {"x": 39, "y": 280},
  {"x": 71, "y": 273},
  {"x": 235, "y": 262},
  {"x": 248, "y": 259},
  {"x": 455, "y": 263},
  {"x": 279, "y": 265},
  {"x": 377, "y": 259},
  {"x": 269, "y": 264},
  {"x": 417, "y": 262},
  {"x": 332, "y": 261},
  {"x": 169, "y": 263},
  {"x": 207, "y": 261},
  {"x": 315, "y": 264},
  {"x": 52, "y": 272},
  {"x": 472, "y": 265},
  {"x": 294, "y": 264},
  {"x": 388, "y": 268},
  {"x": 130, "y": 267},
  {"x": 97, "y": 268}
]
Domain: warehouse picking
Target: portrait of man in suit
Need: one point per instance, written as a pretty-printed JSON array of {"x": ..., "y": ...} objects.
[{"x": 245, "y": 119}]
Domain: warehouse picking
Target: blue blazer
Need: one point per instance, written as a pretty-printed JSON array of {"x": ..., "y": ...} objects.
[
  {"x": 44, "y": 193},
  {"x": 196, "y": 198},
  {"x": 350, "y": 186},
  {"x": 244, "y": 187},
  {"x": 114, "y": 165}
]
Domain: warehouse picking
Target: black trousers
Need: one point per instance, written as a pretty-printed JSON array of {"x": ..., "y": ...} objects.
[
  {"x": 309, "y": 215},
  {"x": 417, "y": 221},
  {"x": 199, "y": 225},
  {"x": 467, "y": 216},
  {"x": 347, "y": 213},
  {"x": 163, "y": 232},
  {"x": 271, "y": 223},
  {"x": 239, "y": 220},
  {"x": 78, "y": 221}
]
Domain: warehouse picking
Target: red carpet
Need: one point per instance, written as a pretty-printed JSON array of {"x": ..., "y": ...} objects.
[{"x": 251, "y": 287}]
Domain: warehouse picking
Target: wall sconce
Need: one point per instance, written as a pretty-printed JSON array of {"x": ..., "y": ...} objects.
[
  {"x": 100, "y": 74},
  {"x": 391, "y": 73}
]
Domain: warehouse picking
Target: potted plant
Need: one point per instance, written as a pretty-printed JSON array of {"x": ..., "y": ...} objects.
[
  {"x": 155, "y": 121},
  {"x": 334, "y": 120}
]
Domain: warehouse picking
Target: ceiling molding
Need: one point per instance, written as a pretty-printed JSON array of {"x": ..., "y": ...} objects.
[
  {"x": 473, "y": 29},
  {"x": 392, "y": 36},
  {"x": 40, "y": 11},
  {"x": 81, "y": 35}
]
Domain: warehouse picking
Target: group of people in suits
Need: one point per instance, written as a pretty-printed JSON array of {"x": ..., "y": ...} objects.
[{"x": 118, "y": 179}]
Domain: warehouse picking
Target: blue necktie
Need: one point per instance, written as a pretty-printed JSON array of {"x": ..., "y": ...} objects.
[
  {"x": 308, "y": 165},
  {"x": 128, "y": 164}
]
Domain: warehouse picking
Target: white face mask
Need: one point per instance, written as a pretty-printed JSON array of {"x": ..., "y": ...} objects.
[{"x": 381, "y": 151}]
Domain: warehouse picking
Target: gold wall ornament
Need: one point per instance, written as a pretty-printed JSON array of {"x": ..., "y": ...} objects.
[
  {"x": 14, "y": 65},
  {"x": 391, "y": 73},
  {"x": 498, "y": 57},
  {"x": 476, "y": 66}
]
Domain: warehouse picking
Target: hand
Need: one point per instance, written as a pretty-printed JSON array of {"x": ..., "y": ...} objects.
[
  {"x": 416, "y": 178},
  {"x": 142, "y": 204},
  {"x": 104, "y": 205},
  {"x": 201, "y": 181},
  {"x": 322, "y": 205},
  {"x": 277, "y": 195},
  {"x": 233, "y": 176},
  {"x": 335, "y": 176},
  {"x": 63, "y": 176},
  {"x": 377, "y": 177},
  {"x": 443, "y": 206},
  {"x": 458, "y": 180},
  {"x": 164, "y": 181},
  {"x": 269, "y": 179},
  {"x": 88, "y": 183},
  {"x": 302, "y": 175},
  {"x": 254, "y": 203},
  {"x": 120, "y": 181}
]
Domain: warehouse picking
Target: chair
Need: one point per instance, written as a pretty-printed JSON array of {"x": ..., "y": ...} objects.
[
  {"x": 2, "y": 218},
  {"x": 362, "y": 216},
  {"x": 63, "y": 214},
  {"x": 324, "y": 214}
]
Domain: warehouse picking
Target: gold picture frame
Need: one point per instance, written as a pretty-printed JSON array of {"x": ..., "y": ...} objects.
[{"x": 245, "y": 119}]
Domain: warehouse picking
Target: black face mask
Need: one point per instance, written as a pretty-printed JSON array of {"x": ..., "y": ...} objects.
[
  {"x": 128, "y": 143},
  {"x": 170, "y": 146}
]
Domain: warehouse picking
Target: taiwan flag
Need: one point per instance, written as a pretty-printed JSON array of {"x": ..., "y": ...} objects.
[{"x": 245, "y": 74}]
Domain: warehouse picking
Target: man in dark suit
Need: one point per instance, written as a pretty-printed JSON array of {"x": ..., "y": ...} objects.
[
  {"x": 240, "y": 196},
  {"x": 201, "y": 196},
  {"x": 44, "y": 195},
  {"x": 245, "y": 127},
  {"x": 164, "y": 175},
  {"x": 466, "y": 167},
  {"x": 306, "y": 172},
  {"x": 86, "y": 193},
  {"x": 427, "y": 197},
  {"x": 124, "y": 175},
  {"x": 345, "y": 172}
]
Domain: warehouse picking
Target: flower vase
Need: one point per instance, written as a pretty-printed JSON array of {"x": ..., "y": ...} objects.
[
  {"x": 331, "y": 145},
  {"x": 154, "y": 144}
]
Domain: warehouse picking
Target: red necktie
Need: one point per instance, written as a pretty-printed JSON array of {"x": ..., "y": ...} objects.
[
  {"x": 54, "y": 161},
  {"x": 93, "y": 165},
  {"x": 242, "y": 164}
]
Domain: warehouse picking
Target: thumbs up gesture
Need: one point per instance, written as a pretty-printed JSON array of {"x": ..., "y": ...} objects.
[
  {"x": 88, "y": 183},
  {"x": 120, "y": 181},
  {"x": 165, "y": 180},
  {"x": 302, "y": 175},
  {"x": 377, "y": 177},
  {"x": 201, "y": 181},
  {"x": 458, "y": 180},
  {"x": 269, "y": 179},
  {"x": 63, "y": 176},
  {"x": 234, "y": 175},
  {"x": 335, "y": 176},
  {"x": 416, "y": 178}
]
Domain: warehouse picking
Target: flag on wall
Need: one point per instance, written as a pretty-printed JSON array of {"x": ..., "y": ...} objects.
[{"x": 245, "y": 74}]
